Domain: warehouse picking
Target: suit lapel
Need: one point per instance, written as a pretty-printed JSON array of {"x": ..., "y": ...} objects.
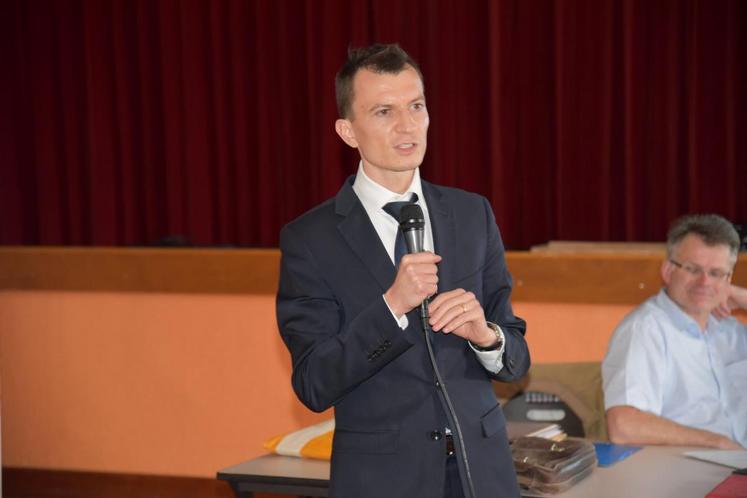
[
  {"x": 444, "y": 234},
  {"x": 443, "y": 225},
  {"x": 358, "y": 231}
]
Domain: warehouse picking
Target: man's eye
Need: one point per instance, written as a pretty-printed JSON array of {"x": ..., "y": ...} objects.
[
  {"x": 418, "y": 106},
  {"x": 382, "y": 112}
]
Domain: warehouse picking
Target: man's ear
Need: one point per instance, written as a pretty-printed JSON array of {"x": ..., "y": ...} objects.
[
  {"x": 666, "y": 271},
  {"x": 345, "y": 130}
]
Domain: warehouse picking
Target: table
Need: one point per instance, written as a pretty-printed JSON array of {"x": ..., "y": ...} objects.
[
  {"x": 278, "y": 474},
  {"x": 654, "y": 471}
]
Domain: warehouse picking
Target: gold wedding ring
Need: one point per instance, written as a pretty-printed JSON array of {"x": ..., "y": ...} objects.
[{"x": 464, "y": 308}]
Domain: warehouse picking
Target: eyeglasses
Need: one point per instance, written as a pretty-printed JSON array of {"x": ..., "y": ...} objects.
[{"x": 697, "y": 271}]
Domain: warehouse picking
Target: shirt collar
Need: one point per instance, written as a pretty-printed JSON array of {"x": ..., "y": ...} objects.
[
  {"x": 682, "y": 320},
  {"x": 373, "y": 194}
]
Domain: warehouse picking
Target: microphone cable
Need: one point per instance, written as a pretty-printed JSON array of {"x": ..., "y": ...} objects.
[
  {"x": 412, "y": 225},
  {"x": 424, "y": 316}
]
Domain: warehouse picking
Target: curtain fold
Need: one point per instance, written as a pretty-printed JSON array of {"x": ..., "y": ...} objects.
[{"x": 128, "y": 121}]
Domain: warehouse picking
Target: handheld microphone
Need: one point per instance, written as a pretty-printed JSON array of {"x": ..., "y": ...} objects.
[{"x": 412, "y": 224}]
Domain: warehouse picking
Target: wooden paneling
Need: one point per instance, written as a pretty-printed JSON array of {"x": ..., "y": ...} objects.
[
  {"x": 584, "y": 278},
  {"x": 232, "y": 271},
  {"x": 607, "y": 275}
]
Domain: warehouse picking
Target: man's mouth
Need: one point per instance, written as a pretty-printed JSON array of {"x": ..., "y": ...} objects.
[
  {"x": 405, "y": 146},
  {"x": 701, "y": 292}
]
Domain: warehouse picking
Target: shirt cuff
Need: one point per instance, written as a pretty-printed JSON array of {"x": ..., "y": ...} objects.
[
  {"x": 492, "y": 361},
  {"x": 403, "y": 322}
]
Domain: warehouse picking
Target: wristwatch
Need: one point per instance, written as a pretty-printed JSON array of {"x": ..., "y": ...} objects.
[{"x": 498, "y": 339}]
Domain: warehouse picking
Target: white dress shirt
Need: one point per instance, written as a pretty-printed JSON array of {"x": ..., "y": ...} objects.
[{"x": 374, "y": 197}]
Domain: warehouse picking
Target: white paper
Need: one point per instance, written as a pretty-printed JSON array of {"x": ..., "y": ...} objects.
[{"x": 736, "y": 459}]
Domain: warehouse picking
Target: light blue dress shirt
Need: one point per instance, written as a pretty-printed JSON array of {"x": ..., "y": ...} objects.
[{"x": 661, "y": 362}]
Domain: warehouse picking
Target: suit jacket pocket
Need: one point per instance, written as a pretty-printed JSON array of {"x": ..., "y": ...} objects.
[
  {"x": 493, "y": 421},
  {"x": 378, "y": 442}
]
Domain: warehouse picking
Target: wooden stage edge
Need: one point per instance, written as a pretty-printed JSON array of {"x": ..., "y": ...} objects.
[
  {"x": 45, "y": 483},
  {"x": 593, "y": 274}
]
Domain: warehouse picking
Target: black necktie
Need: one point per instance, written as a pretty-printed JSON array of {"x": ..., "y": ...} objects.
[{"x": 393, "y": 209}]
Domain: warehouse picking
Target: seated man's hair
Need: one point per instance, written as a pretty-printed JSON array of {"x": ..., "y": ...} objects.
[
  {"x": 713, "y": 229},
  {"x": 378, "y": 58}
]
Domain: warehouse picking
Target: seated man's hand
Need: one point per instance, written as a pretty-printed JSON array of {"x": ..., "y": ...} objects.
[
  {"x": 724, "y": 443},
  {"x": 737, "y": 300}
]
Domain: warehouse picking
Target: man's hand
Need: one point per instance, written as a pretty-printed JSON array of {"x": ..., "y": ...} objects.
[
  {"x": 737, "y": 300},
  {"x": 459, "y": 312},
  {"x": 417, "y": 278}
]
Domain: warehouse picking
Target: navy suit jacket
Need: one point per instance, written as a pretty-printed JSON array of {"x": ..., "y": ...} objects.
[{"x": 349, "y": 352}]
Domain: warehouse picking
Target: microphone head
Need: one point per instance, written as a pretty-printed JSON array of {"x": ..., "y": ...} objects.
[
  {"x": 411, "y": 218},
  {"x": 412, "y": 224}
]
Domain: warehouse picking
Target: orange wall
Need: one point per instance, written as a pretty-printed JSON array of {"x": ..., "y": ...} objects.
[
  {"x": 565, "y": 332},
  {"x": 169, "y": 384},
  {"x": 180, "y": 384}
]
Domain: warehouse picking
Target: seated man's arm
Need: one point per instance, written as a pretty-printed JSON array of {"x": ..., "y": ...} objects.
[
  {"x": 636, "y": 378},
  {"x": 629, "y": 425}
]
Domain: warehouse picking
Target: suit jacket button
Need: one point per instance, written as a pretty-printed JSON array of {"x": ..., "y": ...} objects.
[{"x": 436, "y": 435}]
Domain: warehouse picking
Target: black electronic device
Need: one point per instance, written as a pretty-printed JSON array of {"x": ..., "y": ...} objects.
[{"x": 537, "y": 406}]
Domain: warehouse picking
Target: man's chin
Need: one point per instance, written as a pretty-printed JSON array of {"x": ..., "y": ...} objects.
[
  {"x": 407, "y": 167},
  {"x": 410, "y": 163},
  {"x": 703, "y": 307}
]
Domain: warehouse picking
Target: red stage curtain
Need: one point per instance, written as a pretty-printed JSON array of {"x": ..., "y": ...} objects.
[{"x": 124, "y": 121}]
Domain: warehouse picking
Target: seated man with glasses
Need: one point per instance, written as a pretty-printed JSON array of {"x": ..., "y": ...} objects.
[{"x": 676, "y": 368}]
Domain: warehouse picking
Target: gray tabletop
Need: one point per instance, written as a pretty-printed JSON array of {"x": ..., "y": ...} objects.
[{"x": 654, "y": 471}]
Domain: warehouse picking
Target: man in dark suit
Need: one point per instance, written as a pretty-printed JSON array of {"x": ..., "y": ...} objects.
[{"x": 347, "y": 308}]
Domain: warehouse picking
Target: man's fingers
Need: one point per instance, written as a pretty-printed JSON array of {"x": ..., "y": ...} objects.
[
  {"x": 447, "y": 300},
  {"x": 454, "y": 309},
  {"x": 420, "y": 257},
  {"x": 417, "y": 278},
  {"x": 723, "y": 310},
  {"x": 444, "y": 298},
  {"x": 426, "y": 287},
  {"x": 462, "y": 319}
]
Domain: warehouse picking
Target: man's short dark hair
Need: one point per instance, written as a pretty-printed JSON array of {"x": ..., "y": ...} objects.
[
  {"x": 379, "y": 58},
  {"x": 713, "y": 229}
]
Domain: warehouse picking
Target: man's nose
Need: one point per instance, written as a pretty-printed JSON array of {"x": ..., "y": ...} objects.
[
  {"x": 704, "y": 278},
  {"x": 406, "y": 121}
]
